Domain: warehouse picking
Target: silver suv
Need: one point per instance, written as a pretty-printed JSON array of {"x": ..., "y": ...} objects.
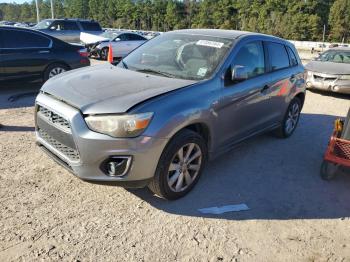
[{"x": 175, "y": 102}]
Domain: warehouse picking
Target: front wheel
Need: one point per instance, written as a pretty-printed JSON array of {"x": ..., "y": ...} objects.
[
  {"x": 180, "y": 165},
  {"x": 290, "y": 120},
  {"x": 104, "y": 53}
]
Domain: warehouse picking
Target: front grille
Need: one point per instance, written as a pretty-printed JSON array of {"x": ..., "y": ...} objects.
[
  {"x": 54, "y": 118},
  {"x": 71, "y": 153},
  {"x": 321, "y": 78}
]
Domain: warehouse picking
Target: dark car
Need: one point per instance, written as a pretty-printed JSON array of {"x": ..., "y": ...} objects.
[
  {"x": 28, "y": 54},
  {"x": 68, "y": 29},
  {"x": 179, "y": 98}
]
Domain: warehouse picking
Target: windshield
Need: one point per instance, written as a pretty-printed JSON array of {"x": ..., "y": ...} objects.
[
  {"x": 335, "y": 56},
  {"x": 43, "y": 24},
  {"x": 193, "y": 57},
  {"x": 110, "y": 35}
]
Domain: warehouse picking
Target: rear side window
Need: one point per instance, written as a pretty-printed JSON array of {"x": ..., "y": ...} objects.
[
  {"x": 23, "y": 39},
  {"x": 68, "y": 25},
  {"x": 135, "y": 37},
  {"x": 251, "y": 57},
  {"x": 278, "y": 56},
  {"x": 91, "y": 26},
  {"x": 292, "y": 57}
]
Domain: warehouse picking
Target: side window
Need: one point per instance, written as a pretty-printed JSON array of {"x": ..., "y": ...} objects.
[
  {"x": 278, "y": 56},
  {"x": 57, "y": 25},
  {"x": 292, "y": 57},
  {"x": 136, "y": 37},
  {"x": 128, "y": 37},
  {"x": 251, "y": 57},
  {"x": 91, "y": 26},
  {"x": 69, "y": 25},
  {"x": 23, "y": 39},
  {"x": 122, "y": 37}
]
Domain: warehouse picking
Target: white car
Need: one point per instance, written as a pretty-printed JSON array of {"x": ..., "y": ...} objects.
[{"x": 122, "y": 43}]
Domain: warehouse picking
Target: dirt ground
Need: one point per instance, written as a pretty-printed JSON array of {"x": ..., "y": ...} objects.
[{"x": 48, "y": 214}]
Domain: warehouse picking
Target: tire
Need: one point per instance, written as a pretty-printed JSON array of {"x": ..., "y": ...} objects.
[
  {"x": 53, "y": 70},
  {"x": 104, "y": 53},
  {"x": 328, "y": 170},
  {"x": 291, "y": 115},
  {"x": 166, "y": 181}
]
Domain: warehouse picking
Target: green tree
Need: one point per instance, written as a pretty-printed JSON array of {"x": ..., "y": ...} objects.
[{"x": 339, "y": 20}]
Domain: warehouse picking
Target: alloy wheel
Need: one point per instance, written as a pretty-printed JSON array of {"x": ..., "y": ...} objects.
[
  {"x": 184, "y": 167},
  {"x": 292, "y": 118},
  {"x": 56, "y": 71}
]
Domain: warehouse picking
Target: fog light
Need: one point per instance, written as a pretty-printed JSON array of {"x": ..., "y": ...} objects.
[{"x": 116, "y": 165}]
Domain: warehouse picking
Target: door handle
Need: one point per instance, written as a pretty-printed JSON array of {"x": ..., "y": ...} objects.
[
  {"x": 265, "y": 88},
  {"x": 43, "y": 52}
]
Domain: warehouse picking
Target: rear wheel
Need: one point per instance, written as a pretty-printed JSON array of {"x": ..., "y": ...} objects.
[
  {"x": 104, "y": 53},
  {"x": 180, "y": 165},
  {"x": 328, "y": 170},
  {"x": 290, "y": 120},
  {"x": 53, "y": 70}
]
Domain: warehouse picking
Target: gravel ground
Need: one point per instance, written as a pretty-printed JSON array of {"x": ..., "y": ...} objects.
[{"x": 48, "y": 214}]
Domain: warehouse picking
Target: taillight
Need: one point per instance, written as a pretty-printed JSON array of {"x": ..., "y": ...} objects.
[{"x": 83, "y": 52}]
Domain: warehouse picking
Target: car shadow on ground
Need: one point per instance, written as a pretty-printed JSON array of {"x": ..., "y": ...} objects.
[
  {"x": 276, "y": 178},
  {"x": 18, "y": 94},
  {"x": 5, "y": 128}
]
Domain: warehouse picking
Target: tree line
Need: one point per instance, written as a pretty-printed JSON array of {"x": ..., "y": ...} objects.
[{"x": 291, "y": 19}]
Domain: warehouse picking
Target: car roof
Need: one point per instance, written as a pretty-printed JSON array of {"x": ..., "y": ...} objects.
[
  {"x": 229, "y": 34},
  {"x": 339, "y": 48},
  {"x": 71, "y": 19}
]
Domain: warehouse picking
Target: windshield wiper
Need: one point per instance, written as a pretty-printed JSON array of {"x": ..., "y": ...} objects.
[{"x": 146, "y": 70}]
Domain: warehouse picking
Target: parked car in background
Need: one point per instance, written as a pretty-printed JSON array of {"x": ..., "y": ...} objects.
[
  {"x": 330, "y": 71},
  {"x": 29, "y": 54},
  {"x": 156, "y": 117},
  {"x": 122, "y": 43},
  {"x": 68, "y": 29}
]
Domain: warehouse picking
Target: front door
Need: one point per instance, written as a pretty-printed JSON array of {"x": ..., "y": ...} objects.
[{"x": 244, "y": 107}]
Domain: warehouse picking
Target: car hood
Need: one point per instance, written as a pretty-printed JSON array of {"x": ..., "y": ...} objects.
[
  {"x": 108, "y": 89},
  {"x": 328, "y": 68}
]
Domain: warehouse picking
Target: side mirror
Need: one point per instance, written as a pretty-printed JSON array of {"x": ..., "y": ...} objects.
[
  {"x": 238, "y": 73},
  {"x": 117, "y": 39},
  {"x": 52, "y": 28}
]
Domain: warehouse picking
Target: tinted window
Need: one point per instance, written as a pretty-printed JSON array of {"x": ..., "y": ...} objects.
[
  {"x": 22, "y": 39},
  {"x": 292, "y": 57},
  {"x": 251, "y": 56},
  {"x": 278, "y": 56},
  {"x": 123, "y": 37},
  {"x": 135, "y": 37},
  {"x": 70, "y": 26},
  {"x": 127, "y": 37},
  {"x": 91, "y": 26}
]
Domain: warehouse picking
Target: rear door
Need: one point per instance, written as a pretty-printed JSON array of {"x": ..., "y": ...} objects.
[
  {"x": 25, "y": 53},
  {"x": 284, "y": 72},
  {"x": 71, "y": 31}
]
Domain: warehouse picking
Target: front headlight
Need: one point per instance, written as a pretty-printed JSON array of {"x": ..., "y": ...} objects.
[
  {"x": 119, "y": 125},
  {"x": 344, "y": 77}
]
